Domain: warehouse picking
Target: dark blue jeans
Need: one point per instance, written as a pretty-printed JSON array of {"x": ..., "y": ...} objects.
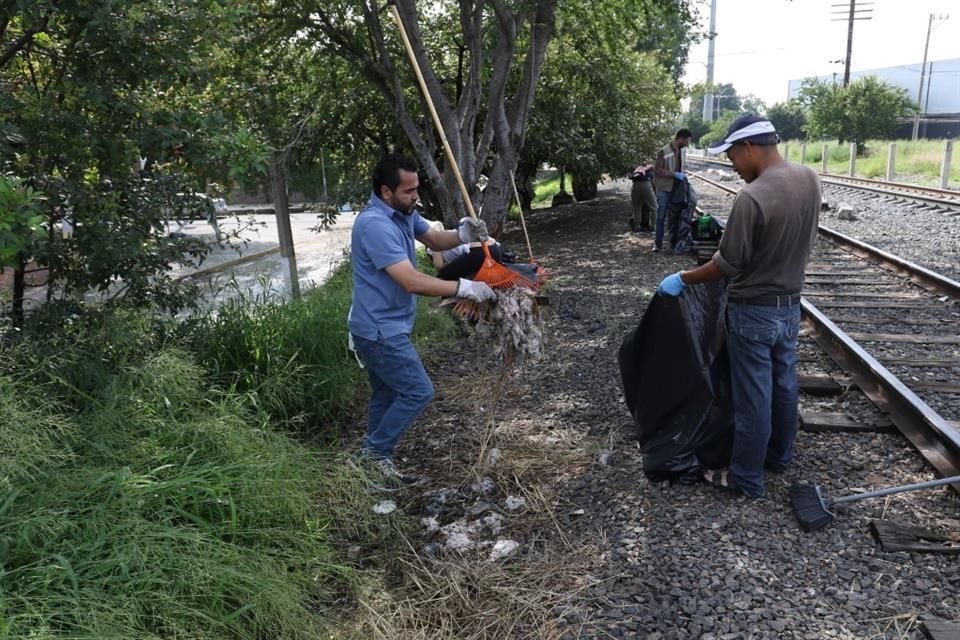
[
  {"x": 762, "y": 344},
  {"x": 663, "y": 198},
  {"x": 401, "y": 390}
]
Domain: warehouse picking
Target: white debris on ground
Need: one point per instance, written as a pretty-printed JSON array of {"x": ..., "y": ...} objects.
[
  {"x": 503, "y": 549},
  {"x": 456, "y": 536},
  {"x": 459, "y": 535},
  {"x": 515, "y": 502},
  {"x": 484, "y": 485},
  {"x": 430, "y": 525},
  {"x": 513, "y": 326},
  {"x": 385, "y": 507}
]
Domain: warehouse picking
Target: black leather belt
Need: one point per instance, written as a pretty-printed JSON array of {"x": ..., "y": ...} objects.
[{"x": 785, "y": 300}]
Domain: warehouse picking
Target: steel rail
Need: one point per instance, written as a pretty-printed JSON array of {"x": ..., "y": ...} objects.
[
  {"x": 858, "y": 181},
  {"x": 948, "y": 198},
  {"x": 917, "y": 274},
  {"x": 937, "y": 440},
  {"x": 932, "y": 435}
]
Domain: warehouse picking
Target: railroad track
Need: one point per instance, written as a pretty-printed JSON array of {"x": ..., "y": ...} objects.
[
  {"x": 893, "y": 326},
  {"x": 945, "y": 201}
]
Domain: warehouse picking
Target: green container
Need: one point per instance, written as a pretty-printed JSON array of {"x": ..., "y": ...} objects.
[{"x": 703, "y": 227}]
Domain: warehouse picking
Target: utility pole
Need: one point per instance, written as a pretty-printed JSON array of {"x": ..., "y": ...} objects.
[
  {"x": 708, "y": 91},
  {"x": 923, "y": 73},
  {"x": 852, "y": 14}
]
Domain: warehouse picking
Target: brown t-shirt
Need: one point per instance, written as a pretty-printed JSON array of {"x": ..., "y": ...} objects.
[{"x": 772, "y": 226}]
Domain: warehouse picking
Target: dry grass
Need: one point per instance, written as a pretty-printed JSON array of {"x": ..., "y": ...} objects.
[
  {"x": 468, "y": 596},
  {"x": 471, "y": 598}
]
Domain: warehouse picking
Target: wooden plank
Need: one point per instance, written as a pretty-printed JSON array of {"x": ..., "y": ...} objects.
[
  {"x": 936, "y": 629},
  {"x": 886, "y": 320},
  {"x": 904, "y": 338},
  {"x": 858, "y": 294},
  {"x": 919, "y": 362},
  {"x": 819, "y": 386},
  {"x": 894, "y": 536},
  {"x": 879, "y": 304},
  {"x": 844, "y": 281},
  {"x": 819, "y": 422},
  {"x": 824, "y": 273},
  {"x": 934, "y": 387}
]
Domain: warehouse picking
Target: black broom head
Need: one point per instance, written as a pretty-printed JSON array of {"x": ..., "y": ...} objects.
[{"x": 809, "y": 506}]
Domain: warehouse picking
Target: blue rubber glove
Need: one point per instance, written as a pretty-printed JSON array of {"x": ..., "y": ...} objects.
[
  {"x": 672, "y": 285},
  {"x": 680, "y": 175}
]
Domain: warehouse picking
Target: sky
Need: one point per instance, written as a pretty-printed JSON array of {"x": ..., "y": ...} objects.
[{"x": 762, "y": 44}]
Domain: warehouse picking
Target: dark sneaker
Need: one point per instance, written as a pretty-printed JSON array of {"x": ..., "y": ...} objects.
[{"x": 655, "y": 249}]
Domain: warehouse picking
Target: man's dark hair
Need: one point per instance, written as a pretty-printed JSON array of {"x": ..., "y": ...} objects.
[
  {"x": 684, "y": 133},
  {"x": 387, "y": 171}
]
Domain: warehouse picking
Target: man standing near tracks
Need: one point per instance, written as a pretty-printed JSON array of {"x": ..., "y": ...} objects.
[
  {"x": 668, "y": 170},
  {"x": 763, "y": 254},
  {"x": 643, "y": 198},
  {"x": 383, "y": 309}
]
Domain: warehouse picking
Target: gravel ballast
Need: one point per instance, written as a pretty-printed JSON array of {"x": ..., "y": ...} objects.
[{"x": 678, "y": 561}]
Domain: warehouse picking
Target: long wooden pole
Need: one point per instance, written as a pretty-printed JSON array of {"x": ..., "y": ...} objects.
[
  {"x": 516, "y": 194},
  {"x": 433, "y": 112}
]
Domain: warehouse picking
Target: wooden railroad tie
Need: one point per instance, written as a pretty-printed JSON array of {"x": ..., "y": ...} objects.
[{"x": 824, "y": 422}]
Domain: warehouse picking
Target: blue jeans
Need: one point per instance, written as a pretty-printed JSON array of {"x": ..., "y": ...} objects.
[
  {"x": 401, "y": 390},
  {"x": 663, "y": 198},
  {"x": 762, "y": 344}
]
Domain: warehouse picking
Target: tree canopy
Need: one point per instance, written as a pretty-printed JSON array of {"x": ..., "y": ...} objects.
[
  {"x": 95, "y": 88},
  {"x": 727, "y": 104},
  {"x": 789, "y": 118},
  {"x": 866, "y": 108}
]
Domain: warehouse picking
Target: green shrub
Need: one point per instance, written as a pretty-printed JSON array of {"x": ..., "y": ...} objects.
[{"x": 291, "y": 358}]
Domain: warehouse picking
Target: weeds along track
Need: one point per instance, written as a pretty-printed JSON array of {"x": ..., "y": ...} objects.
[{"x": 893, "y": 326}]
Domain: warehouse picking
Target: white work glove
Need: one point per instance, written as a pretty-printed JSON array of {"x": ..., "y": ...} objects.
[
  {"x": 472, "y": 230},
  {"x": 474, "y": 290}
]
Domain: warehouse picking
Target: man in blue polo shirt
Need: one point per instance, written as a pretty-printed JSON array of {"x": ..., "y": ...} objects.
[{"x": 385, "y": 284}]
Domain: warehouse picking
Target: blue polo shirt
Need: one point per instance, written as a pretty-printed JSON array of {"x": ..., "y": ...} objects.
[{"x": 381, "y": 237}]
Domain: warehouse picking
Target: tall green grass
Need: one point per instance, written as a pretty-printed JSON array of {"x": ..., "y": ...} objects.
[
  {"x": 547, "y": 185},
  {"x": 148, "y": 491},
  {"x": 915, "y": 159},
  {"x": 291, "y": 358},
  {"x": 178, "y": 515}
]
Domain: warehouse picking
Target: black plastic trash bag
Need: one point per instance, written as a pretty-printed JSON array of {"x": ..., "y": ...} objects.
[{"x": 676, "y": 383}]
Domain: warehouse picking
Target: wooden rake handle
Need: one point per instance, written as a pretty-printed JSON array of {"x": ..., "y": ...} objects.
[
  {"x": 468, "y": 203},
  {"x": 433, "y": 111}
]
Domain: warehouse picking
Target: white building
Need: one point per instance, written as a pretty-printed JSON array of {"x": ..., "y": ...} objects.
[{"x": 941, "y": 92}]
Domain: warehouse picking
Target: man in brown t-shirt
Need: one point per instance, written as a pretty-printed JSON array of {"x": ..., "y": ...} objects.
[{"x": 763, "y": 254}]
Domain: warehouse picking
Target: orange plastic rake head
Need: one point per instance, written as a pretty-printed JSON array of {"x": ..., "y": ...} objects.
[{"x": 497, "y": 276}]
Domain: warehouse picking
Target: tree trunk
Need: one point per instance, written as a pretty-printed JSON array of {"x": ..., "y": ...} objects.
[
  {"x": 503, "y": 131},
  {"x": 584, "y": 188},
  {"x": 19, "y": 289}
]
